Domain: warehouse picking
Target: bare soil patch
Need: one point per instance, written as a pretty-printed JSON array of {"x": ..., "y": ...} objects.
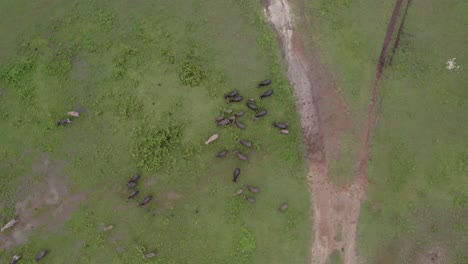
[
  {"x": 47, "y": 205},
  {"x": 324, "y": 116}
]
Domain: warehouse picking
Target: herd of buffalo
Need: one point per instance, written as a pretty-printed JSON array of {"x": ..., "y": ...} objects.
[{"x": 233, "y": 119}]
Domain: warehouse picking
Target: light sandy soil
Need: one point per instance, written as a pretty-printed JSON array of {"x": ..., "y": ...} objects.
[
  {"x": 48, "y": 205},
  {"x": 314, "y": 89}
]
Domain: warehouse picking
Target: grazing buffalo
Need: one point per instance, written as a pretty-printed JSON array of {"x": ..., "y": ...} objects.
[
  {"x": 9, "y": 225},
  {"x": 252, "y": 188},
  {"x": 108, "y": 228},
  {"x": 245, "y": 143},
  {"x": 74, "y": 114},
  {"x": 133, "y": 193},
  {"x": 261, "y": 113},
  {"x": 235, "y": 174},
  {"x": 131, "y": 185},
  {"x": 284, "y": 131},
  {"x": 232, "y": 118},
  {"x": 134, "y": 178},
  {"x": 236, "y": 99},
  {"x": 240, "y": 125},
  {"x": 238, "y": 192},
  {"x": 221, "y": 154},
  {"x": 212, "y": 138},
  {"x": 223, "y": 122},
  {"x": 264, "y": 83},
  {"x": 146, "y": 200},
  {"x": 280, "y": 125},
  {"x": 266, "y": 94},
  {"x": 219, "y": 118},
  {"x": 63, "y": 122},
  {"x": 15, "y": 259},
  {"x": 283, "y": 207},
  {"x": 251, "y": 99},
  {"x": 41, "y": 255},
  {"x": 241, "y": 156},
  {"x": 228, "y": 111},
  {"x": 239, "y": 114},
  {"x": 150, "y": 255},
  {"x": 252, "y": 106},
  {"x": 250, "y": 199},
  {"x": 231, "y": 94}
]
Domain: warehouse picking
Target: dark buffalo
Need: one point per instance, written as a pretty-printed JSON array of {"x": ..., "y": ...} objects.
[
  {"x": 15, "y": 259},
  {"x": 133, "y": 193},
  {"x": 231, "y": 94},
  {"x": 239, "y": 114},
  {"x": 245, "y": 143},
  {"x": 241, "y": 156},
  {"x": 146, "y": 200},
  {"x": 41, "y": 255},
  {"x": 236, "y": 99},
  {"x": 252, "y": 106},
  {"x": 250, "y": 199},
  {"x": 221, "y": 154},
  {"x": 283, "y": 207},
  {"x": 235, "y": 174},
  {"x": 223, "y": 122},
  {"x": 252, "y": 188},
  {"x": 266, "y": 94},
  {"x": 261, "y": 113},
  {"x": 264, "y": 83},
  {"x": 240, "y": 125},
  {"x": 219, "y": 118},
  {"x": 281, "y": 125},
  {"x": 63, "y": 122},
  {"x": 134, "y": 178},
  {"x": 131, "y": 185}
]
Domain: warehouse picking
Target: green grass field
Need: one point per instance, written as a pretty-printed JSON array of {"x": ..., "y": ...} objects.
[
  {"x": 417, "y": 199},
  {"x": 149, "y": 79}
]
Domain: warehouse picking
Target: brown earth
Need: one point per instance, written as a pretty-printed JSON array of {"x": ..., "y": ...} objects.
[
  {"x": 48, "y": 205},
  {"x": 324, "y": 117}
]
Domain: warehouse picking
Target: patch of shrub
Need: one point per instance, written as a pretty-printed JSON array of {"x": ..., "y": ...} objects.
[
  {"x": 16, "y": 73},
  {"x": 191, "y": 74},
  {"x": 244, "y": 246},
  {"x": 128, "y": 106},
  {"x": 153, "y": 146}
]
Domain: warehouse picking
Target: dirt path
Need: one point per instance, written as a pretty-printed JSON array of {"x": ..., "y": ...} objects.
[{"x": 335, "y": 210}]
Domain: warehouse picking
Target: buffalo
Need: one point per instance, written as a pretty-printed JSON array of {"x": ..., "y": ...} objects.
[
  {"x": 238, "y": 192},
  {"x": 41, "y": 255},
  {"x": 228, "y": 111},
  {"x": 223, "y": 122},
  {"x": 266, "y": 94},
  {"x": 15, "y": 259},
  {"x": 221, "y": 154},
  {"x": 134, "y": 178},
  {"x": 281, "y": 125},
  {"x": 73, "y": 114},
  {"x": 241, "y": 156},
  {"x": 252, "y": 106},
  {"x": 252, "y": 188},
  {"x": 131, "y": 185},
  {"x": 283, "y": 207},
  {"x": 9, "y": 225},
  {"x": 245, "y": 143},
  {"x": 240, "y": 125},
  {"x": 232, "y": 118},
  {"x": 212, "y": 138},
  {"x": 264, "y": 83},
  {"x": 235, "y": 174},
  {"x": 63, "y": 122},
  {"x": 219, "y": 118},
  {"x": 236, "y": 99},
  {"x": 133, "y": 193},
  {"x": 251, "y": 99},
  {"x": 150, "y": 255},
  {"x": 239, "y": 114},
  {"x": 231, "y": 94},
  {"x": 146, "y": 200},
  {"x": 261, "y": 113},
  {"x": 284, "y": 131}
]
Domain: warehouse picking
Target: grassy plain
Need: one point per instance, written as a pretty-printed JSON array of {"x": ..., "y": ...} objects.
[
  {"x": 417, "y": 200},
  {"x": 148, "y": 78}
]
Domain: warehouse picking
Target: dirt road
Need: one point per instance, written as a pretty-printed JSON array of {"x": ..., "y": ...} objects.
[{"x": 335, "y": 210}]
